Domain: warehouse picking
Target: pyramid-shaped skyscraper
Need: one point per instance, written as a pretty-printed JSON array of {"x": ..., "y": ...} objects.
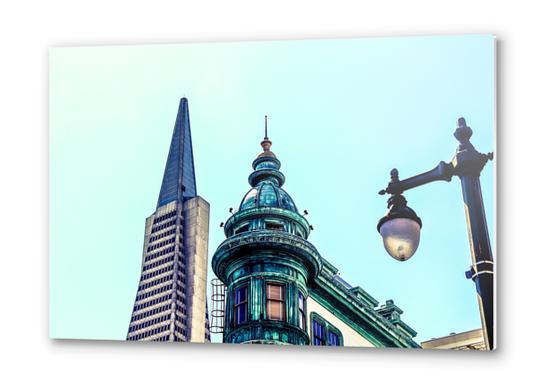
[{"x": 170, "y": 304}]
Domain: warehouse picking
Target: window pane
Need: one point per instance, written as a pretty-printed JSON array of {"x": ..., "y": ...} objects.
[
  {"x": 333, "y": 338},
  {"x": 275, "y": 310},
  {"x": 240, "y": 305},
  {"x": 240, "y": 295},
  {"x": 241, "y": 313},
  {"x": 275, "y": 291},
  {"x": 317, "y": 333},
  {"x": 243, "y": 294}
]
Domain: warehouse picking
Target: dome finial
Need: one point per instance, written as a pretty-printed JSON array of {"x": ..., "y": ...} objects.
[{"x": 266, "y": 143}]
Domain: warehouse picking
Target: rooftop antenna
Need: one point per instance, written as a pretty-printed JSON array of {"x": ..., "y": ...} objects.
[{"x": 266, "y": 138}]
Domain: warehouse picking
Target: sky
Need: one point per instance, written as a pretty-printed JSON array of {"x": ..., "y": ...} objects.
[{"x": 342, "y": 114}]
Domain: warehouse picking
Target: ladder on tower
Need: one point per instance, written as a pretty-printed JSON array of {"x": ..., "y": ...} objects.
[{"x": 218, "y": 306}]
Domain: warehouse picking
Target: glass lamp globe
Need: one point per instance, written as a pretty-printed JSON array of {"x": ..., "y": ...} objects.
[
  {"x": 400, "y": 229},
  {"x": 401, "y": 237}
]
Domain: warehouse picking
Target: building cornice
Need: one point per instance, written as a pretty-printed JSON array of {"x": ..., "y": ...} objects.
[
  {"x": 242, "y": 243},
  {"x": 377, "y": 328}
]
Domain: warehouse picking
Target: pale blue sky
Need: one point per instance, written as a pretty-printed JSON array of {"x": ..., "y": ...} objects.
[{"x": 342, "y": 113}]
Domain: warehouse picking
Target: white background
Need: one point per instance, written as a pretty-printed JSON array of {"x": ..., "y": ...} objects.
[{"x": 28, "y": 29}]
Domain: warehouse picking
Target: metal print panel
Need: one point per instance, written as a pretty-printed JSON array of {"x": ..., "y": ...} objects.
[{"x": 333, "y": 193}]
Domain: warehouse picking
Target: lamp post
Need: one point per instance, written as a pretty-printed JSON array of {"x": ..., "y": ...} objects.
[{"x": 400, "y": 227}]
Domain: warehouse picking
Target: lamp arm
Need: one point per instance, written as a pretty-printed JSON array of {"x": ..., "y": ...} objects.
[{"x": 442, "y": 172}]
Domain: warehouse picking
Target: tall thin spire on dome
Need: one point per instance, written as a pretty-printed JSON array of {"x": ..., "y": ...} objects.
[{"x": 266, "y": 143}]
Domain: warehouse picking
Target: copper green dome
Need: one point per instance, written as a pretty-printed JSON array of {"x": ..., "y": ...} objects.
[
  {"x": 267, "y": 194},
  {"x": 266, "y": 206},
  {"x": 266, "y": 182}
]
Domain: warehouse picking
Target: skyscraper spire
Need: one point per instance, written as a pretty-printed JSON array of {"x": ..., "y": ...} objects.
[
  {"x": 170, "y": 303},
  {"x": 179, "y": 181}
]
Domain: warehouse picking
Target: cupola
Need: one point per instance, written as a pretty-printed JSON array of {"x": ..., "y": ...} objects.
[{"x": 267, "y": 205}]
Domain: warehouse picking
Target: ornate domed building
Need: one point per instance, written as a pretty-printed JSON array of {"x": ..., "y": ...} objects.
[{"x": 280, "y": 290}]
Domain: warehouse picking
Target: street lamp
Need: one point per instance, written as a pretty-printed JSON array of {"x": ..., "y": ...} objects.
[{"x": 400, "y": 227}]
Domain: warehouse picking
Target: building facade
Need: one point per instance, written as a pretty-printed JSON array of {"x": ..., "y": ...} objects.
[
  {"x": 170, "y": 303},
  {"x": 280, "y": 290},
  {"x": 469, "y": 340}
]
